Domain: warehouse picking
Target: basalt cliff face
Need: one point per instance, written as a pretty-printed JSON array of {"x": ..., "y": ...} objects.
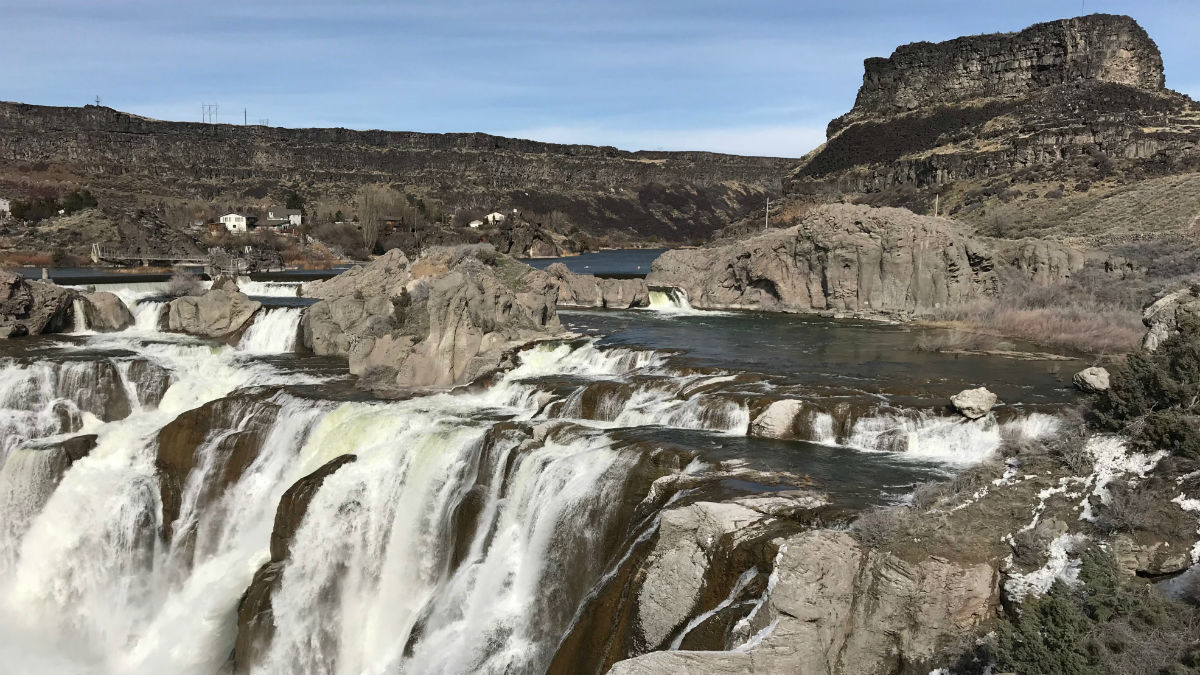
[
  {"x": 1035, "y": 127},
  {"x": 673, "y": 196}
]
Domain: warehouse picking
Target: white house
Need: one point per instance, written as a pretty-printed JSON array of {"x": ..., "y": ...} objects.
[
  {"x": 236, "y": 222},
  {"x": 5, "y": 207},
  {"x": 281, "y": 217},
  {"x": 475, "y": 223},
  {"x": 495, "y": 217}
]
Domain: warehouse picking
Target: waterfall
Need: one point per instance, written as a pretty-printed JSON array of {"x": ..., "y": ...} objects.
[
  {"x": 273, "y": 331},
  {"x": 274, "y": 289},
  {"x": 147, "y": 316},
  {"x": 80, "y": 317},
  {"x": 91, "y": 584},
  {"x": 674, "y": 301}
]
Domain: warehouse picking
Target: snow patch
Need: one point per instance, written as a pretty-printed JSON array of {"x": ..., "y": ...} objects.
[
  {"x": 1192, "y": 505},
  {"x": 1060, "y": 567}
]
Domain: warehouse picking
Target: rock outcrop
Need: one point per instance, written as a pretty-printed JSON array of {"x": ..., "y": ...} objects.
[
  {"x": 1004, "y": 126},
  {"x": 586, "y": 290},
  {"x": 106, "y": 312},
  {"x": 383, "y": 277},
  {"x": 1097, "y": 48},
  {"x": 255, "y": 621},
  {"x": 450, "y": 316},
  {"x": 218, "y": 313},
  {"x": 836, "y": 606},
  {"x": 841, "y": 259},
  {"x": 1092, "y": 380},
  {"x": 974, "y": 403},
  {"x": 33, "y": 307},
  {"x": 1170, "y": 313}
]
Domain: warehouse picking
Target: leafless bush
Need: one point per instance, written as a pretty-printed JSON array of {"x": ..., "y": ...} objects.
[
  {"x": 1128, "y": 509},
  {"x": 882, "y": 526},
  {"x": 183, "y": 282}
]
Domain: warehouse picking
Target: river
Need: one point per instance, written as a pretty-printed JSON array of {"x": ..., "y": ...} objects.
[{"x": 469, "y": 529}]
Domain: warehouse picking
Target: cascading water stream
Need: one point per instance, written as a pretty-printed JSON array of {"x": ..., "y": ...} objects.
[
  {"x": 273, "y": 331},
  {"x": 452, "y": 544}
]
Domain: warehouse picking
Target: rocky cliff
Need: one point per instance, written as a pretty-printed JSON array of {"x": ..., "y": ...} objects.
[
  {"x": 841, "y": 259},
  {"x": 126, "y": 158},
  {"x": 1031, "y": 128}
]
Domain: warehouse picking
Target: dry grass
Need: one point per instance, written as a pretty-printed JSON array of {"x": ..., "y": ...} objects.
[
  {"x": 23, "y": 259},
  {"x": 1094, "y": 312},
  {"x": 1086, "y": 328}
]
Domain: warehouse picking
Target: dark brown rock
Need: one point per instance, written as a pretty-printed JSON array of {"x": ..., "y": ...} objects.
[
  {"x": 256, "y": 623},
  {"x": 33, "y": 307},
  {"x": 238, "y": 423}
]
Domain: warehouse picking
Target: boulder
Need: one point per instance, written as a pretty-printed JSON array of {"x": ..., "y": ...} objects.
[
  {"x": 1092, "y": 380},
  {"x": 384, "y": 276},
  {"x": 974, "y": 403},
  {"x": 105, "y": 312},
  {"x": 777, "y": 420},
  {"x": 33, "y": 307},
  {"x": 839, "y": 607},
  {"x": 216, "y": 314},
  {"x": 1172, "y": 311},
  {"x": 226, "y": 283},
  {"x": 586, "y": 290},
  {"x": 452, "y": 315},
  {"x": 841, "y": 259}
]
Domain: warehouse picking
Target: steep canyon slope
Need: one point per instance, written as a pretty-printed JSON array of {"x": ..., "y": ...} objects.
[
  {"x": 132, "y": 160},
  {"x": 1036, "y": 132}
]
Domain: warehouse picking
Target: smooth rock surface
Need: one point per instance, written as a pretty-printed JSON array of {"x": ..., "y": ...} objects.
[
  {"x": 1093, "y": 380},
  {"x": 841, "y": 259},
  {"x": 777, "y": 420},
  {"x": 216, "y": 314},
  {"x": 974, "y": 403},
  {"x": 105, "y": 312}
]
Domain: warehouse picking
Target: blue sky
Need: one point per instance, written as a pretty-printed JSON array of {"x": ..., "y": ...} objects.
[{"x": 749, "y": 77}]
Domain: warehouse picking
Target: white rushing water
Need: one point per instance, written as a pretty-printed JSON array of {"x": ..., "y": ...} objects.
[
  {"x": 273, "y": 331},
  {"x": 674, "y": 302},
  {"x": 450, "y": 545}
]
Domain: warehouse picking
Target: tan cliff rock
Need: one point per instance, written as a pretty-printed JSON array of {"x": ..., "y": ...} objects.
[
  {"x": 446, "y": 318},
  {"x": 841, "y": 259}
]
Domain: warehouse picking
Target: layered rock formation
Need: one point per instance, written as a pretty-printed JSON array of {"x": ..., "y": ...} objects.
[
  {"x": 586, "y": 290},
  {"x": 126, "y": 158},
  {"x": 450, "y": 316},
  {"x": 33, "y": 307},
  {"x": 838, "y": 607},
  {"x": 841, "y": 259},
  {"x": 1038, "y": 125}
]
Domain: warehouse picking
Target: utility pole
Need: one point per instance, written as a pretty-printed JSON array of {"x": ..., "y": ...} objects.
[
  {"x": 767, "y": 215},
  {"x": 244, "y": 120},
  {"x": 97, "y": 100}
]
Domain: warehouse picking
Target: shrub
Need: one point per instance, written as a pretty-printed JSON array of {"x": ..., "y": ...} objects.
[
  {"x": 183, "y": 282},
  {"x": 1155, "y": 396},
  {"x": 881, "y": 526},
  {"x": 1108, "y": 623}
]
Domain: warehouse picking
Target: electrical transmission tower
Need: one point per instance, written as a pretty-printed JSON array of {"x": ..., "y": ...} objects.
[
  {"x": 264, "y": 122},
  {"x": 208, "y": 113}
]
